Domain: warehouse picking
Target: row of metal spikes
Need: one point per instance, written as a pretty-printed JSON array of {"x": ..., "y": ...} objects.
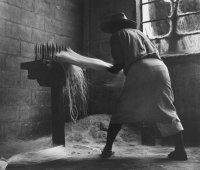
[{"x": 47, "y": 51}]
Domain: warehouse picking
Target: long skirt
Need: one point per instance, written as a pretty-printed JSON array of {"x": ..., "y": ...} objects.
[{"x": 147, "y": 96}]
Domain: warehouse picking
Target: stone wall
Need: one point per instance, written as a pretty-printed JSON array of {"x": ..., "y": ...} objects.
[
  {"x": 24, "y": 105},
  {"x": 185, "y": 76}
]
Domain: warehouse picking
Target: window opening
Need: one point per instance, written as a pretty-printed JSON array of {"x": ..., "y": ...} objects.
[{"x": 175, "y": 22}]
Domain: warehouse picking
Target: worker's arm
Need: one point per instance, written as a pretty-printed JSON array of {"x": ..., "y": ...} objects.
[{"x": 117, "y": 54}]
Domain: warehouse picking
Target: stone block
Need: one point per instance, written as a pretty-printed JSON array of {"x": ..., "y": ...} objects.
[
  {"x": 9, "y": 46},
  {"x": 2, "y": 27},
  {"x": 18, "y": 31},
  {"x": 2, "y": 131},
  {"x": 25, "y": 33},
  {"x": 14, "y": 113},
  {"x": 40, "y": 113},
  {"x": 41, "y": 98},
  {"x": 59, "y": 3},
  {"x": 12, "y": 63},
  {"x": 15, "y": 97},
  {"x": 25, "y": 113},
  {"x": 2, "y": 61},
  {"x": 27, "y": 49},
  {"x": 53, "y": 26},
  {"x": 50, "y": 2},
  {"x": 12, "y": 30},
  {"x": 41, "y": 36},
  {"x": 11, "y": 129},
  {"x": 9, "y": 79},
  {"x": 31, "y": 19},
  {"x": 44, "y": 8},
  {"x": 10, "y": 12},
  {"x": 28, "y": 5},
  {"x": 16, "y": 3},
  {"x": 25, "y": 130}
]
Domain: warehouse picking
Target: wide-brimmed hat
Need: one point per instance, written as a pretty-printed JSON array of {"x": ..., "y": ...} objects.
[{"x": 117, "y": 21}]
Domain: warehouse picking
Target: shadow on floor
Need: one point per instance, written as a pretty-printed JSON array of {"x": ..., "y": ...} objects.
[{"x": 111, "y": 164}]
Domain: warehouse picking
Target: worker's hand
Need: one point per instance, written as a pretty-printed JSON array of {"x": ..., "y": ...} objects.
[{"x": 115, "y": 69}]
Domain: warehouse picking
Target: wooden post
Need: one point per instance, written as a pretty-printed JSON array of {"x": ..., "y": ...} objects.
[{"x": 58, "y": 128}]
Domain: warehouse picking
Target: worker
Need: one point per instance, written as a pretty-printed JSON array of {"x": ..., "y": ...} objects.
[{"x": 146, "y": 95}]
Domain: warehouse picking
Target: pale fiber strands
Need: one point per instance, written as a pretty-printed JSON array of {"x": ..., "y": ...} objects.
[
  {"x": 72, "y": 57},
  {"x": 75, "y": 91},
  {"x": 76, "y": 86}
]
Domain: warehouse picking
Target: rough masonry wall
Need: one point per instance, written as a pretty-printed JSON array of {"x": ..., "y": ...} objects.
[
  {"x": 24, "y": 105},
  {"x": 185, "y": 77}
]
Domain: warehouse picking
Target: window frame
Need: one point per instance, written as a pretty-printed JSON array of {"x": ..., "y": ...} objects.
[{"x": 173, "y": 18}]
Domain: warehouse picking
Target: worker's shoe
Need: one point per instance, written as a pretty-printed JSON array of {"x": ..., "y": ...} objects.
[
  {"x": 105, "y": 154},
  {"x": 178, "y": 155}
]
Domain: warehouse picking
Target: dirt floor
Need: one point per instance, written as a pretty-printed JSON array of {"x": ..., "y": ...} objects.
[{"x": 84, "y": 142}]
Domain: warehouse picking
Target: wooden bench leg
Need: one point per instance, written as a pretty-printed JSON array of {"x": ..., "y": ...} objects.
[{"x": 58, "y": 128}]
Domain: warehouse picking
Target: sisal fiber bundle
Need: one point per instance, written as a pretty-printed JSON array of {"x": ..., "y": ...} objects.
[
  {"x": 76, "y": 86},
  {"x": 75, "y": 90},
  {"x": 69, "y": 56}
]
